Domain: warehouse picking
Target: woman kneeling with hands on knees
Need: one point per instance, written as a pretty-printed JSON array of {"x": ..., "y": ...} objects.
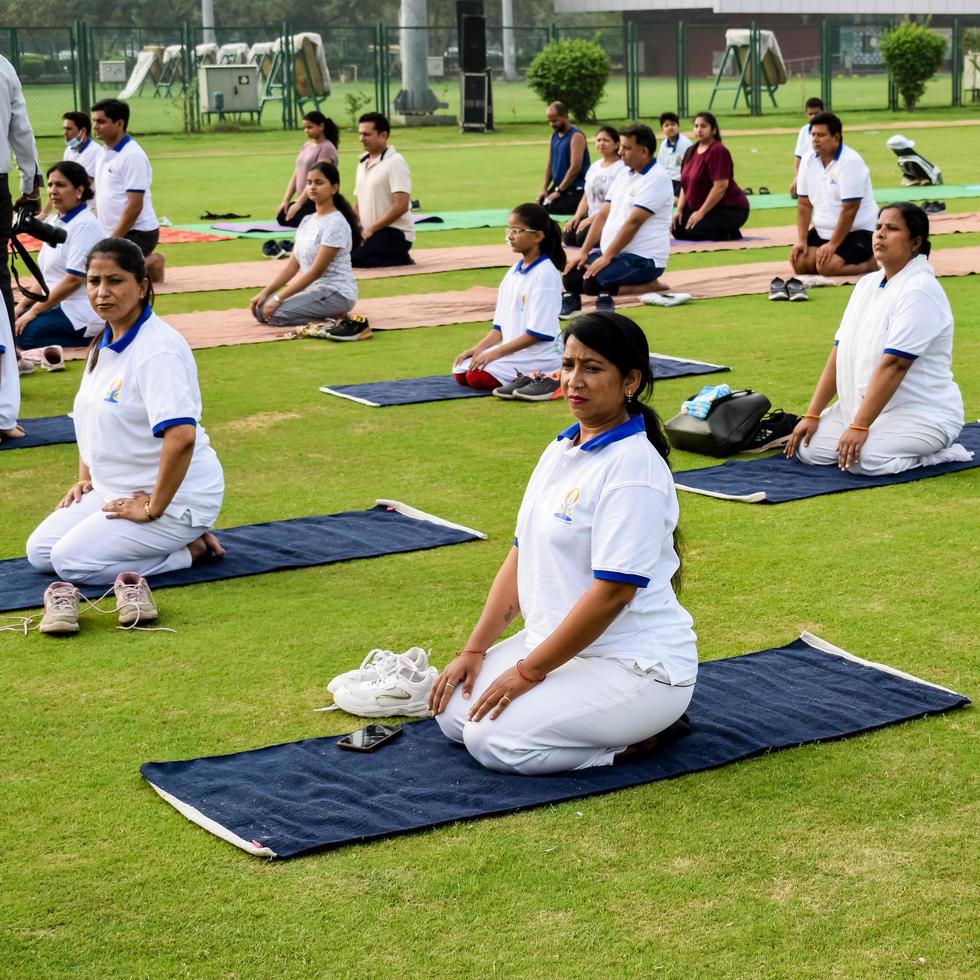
[
  {"x": 149, "y": 484},
  {"x": 897, "y": 405},
  {"x": 607, "y": 659}
]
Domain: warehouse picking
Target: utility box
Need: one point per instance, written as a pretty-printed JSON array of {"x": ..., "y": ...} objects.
[
  {"x": 228, "y": 88},
  {"x": 112, "y": 71}
]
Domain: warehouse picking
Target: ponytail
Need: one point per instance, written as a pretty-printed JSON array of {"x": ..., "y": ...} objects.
[
  {"x": 339, "y": 201},
  {"x": 537, "y": 219}
]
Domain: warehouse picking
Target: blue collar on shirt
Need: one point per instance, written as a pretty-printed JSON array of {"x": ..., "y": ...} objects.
[
  {"x": 840, "y": 150},
  {"x": 646, "y": 169},
  {"x": 126, "y": 139},
  {"x": 129, "y": 336},
  {"x": 630, "y": 427},
  {"x": 84, "y": 146},
  {"x": 74, "y": 212},
  {"x": 525, "y": 269},
  {"x": 672, "y": 146}
]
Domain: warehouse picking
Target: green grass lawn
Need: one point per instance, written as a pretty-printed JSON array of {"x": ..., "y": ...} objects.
[{"x": 853, "y": 859}]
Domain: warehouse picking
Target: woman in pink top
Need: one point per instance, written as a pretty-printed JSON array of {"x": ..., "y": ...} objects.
[
  {"x": 711, "y": 206},
  {"x": 323, "y": 138}
]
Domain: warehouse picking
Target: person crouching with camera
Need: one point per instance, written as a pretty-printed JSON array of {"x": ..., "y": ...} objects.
[{"x": 64, "y": 317}]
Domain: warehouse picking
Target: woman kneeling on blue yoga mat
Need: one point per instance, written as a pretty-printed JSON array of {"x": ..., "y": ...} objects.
[
  {"x": 606, "y": 663},
  {"x": 149, "y": 484},
  {"x": 890, "y": 368}
]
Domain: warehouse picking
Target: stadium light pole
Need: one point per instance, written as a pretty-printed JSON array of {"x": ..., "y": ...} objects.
[
  {"x": 207, "y": 22},
  {"x": 507, "y": 29}
]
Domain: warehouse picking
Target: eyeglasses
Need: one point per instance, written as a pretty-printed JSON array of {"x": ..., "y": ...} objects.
[{"x": 511, "y": 232}]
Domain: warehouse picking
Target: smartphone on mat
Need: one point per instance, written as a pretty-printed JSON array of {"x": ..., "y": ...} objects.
[{"x": 370, "y": 738}]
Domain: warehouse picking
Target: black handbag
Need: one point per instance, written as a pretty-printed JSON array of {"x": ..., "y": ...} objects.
[{"x": 729, "y": 426}]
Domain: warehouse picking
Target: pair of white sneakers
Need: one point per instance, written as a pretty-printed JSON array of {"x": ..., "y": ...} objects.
[{"x": 387, "y": 684}]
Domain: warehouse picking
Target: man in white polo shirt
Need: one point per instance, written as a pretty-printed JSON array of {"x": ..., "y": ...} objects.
[
  {"x": 813, "y": 108},
  {"x": 626, "y": 249},
  {"x": 80, "y": 148},
  {"x": 383, "y": 198},
  {"x": 123, "y": 176},
  {"x": 834, "y": 188}
]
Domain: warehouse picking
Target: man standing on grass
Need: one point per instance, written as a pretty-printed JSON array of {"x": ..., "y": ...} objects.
[
  {"x": 834, "y": 187},
  {"x": 383, "y": 198},
  {"x": 123, "y": 176},
  {"x": 568, "y": 161},
  {"x": 626, "y": 249},
  {"x": 814, "y": 107}
]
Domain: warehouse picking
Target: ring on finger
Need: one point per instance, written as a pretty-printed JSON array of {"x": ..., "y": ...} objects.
[
  {"x": 506, "y": 698},
  {"x": 450, "y": 685}
]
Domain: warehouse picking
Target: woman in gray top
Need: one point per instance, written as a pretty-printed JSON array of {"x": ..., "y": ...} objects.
[{"x": 317, "y": 283}]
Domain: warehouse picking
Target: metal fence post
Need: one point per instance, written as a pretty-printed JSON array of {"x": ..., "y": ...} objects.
[
  {"x": 826, "y": 65},
  {"x": 956, "y": 68},
  {"x": 14, "y": 50},
  {"x": 191, "y": 94},
  {"x": 632, "y": 73},
  {"x": 682, "y": 90},
  {"x": 755, "y": 62},
  {"x": 552, "y": 33}
]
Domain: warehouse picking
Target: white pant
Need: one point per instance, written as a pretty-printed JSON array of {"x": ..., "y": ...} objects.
[
  {"x": 9, "y": 376},
  {"x": 81, "y": 545},
  {"x": 899, "y": 440},
  {"x": 579, "y": 716}
]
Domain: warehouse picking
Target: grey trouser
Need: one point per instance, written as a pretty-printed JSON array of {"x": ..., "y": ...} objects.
[{"x": 312, "y": 304}]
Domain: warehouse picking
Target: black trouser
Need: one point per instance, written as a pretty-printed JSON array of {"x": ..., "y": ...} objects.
[
  {"x": 574, "y": 237},
  {"x": 387, "y": 246},
  {"x": 6, "y": 223},
  {"x": 307, "y": 207},
  {"x": 145, "y": 241},
  {"x": 718, "y": 225},
  {"x": 566, "y": 202}
]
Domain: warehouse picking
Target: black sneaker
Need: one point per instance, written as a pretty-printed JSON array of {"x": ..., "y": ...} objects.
[
  {"x": 286, "y": 245},
  {"x": 507, "y": 391},
  {"x": 271, "y": 248},
  {"x": 571, "y": 306},
  {"x": 542, "y": 389},
  {"x": 796, "y": 291},
  {"x": 774, "y": 430},
  {"x": 605, "y": 304},
  {"x": 777, "y": 289},
  {"x": 351, "y": 327}
]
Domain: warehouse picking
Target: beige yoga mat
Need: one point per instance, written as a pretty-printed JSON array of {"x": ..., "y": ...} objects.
[
  {"x": 255, "y": 275},
  {"x": 227, "y": 327}
]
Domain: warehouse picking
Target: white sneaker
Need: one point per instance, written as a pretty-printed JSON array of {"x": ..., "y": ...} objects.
[
  {"x": 376, "y": 664},
  {"x": 404, "y": 691},
  {"x": 665, "y": 299}
]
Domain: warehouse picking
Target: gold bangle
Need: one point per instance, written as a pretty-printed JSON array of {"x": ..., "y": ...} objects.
[
  {"x": 479, "y": 653},
  {"x": 809, "y": 415},
  {"x": 146, "y": 510}
]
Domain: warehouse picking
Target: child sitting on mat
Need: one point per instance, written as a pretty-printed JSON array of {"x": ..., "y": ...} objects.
[
  {"x": 524, "y": 336},
  {"x": 317, "y": 282}
]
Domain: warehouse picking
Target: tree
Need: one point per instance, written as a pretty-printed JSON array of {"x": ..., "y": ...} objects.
[
  {"x": 913, "y": 55},
  {"x": 573, "y": 72}
]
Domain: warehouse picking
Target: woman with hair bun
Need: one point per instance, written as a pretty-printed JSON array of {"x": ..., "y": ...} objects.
[
  {"x": 322, "y": 142},
  {"x": 890, "y": 368},
  {"x": 523, "y": 339},
  {"x": 149, "y": 485},
  {"x": 606, "y": 663}
]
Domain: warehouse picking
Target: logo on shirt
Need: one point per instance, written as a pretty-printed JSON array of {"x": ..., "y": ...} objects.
[
  {"x": 523, "y": 302},
  {"x": 115, "y": 389},
  {"x": 568, "y": 505}
]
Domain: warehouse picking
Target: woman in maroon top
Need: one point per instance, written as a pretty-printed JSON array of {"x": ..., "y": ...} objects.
[{"x": 711, "y": 206}]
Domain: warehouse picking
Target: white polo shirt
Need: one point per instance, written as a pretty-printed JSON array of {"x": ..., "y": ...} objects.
[
  {"x": 606, "y": 509},
  {"x": 118, "y": 170},
  {"x": 529, "y": 301},
  {"x": 55, "y": 261},
  {"x": 142, "y": 385},
  {"x": 330, "y": 231},
  {"x": 87, "y": 155},
  {"x": 375, "y": 185},
  {"x": 652, "y": 190},
  {"x": 845, "y": 178},
  {"x": 803, "y": 142},
  {"x": 670, "y": 156}
]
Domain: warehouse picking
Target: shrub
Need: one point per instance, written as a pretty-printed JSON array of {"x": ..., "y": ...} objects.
[
  {"x": 573, "y": 72},
  {"x": 913, "y": 55}
]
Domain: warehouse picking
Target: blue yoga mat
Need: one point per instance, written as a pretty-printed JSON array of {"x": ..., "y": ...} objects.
[
  {"x": 443, "y": 387},
  {"x": 776, "y": 479},
  {"x": 388, "y": 528},
  {"x": 43, "y": 432},
  {"x": 288, "y": 799}
]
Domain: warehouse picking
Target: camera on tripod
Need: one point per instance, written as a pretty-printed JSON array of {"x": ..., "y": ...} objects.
[{"x": 26, "y": 222}]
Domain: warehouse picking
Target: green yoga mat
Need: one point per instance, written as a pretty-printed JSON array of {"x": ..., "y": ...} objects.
[{"x": 883, "y": 195}]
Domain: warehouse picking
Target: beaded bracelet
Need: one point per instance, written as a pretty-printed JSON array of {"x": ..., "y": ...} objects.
[{"x": 530, "y": 680}]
